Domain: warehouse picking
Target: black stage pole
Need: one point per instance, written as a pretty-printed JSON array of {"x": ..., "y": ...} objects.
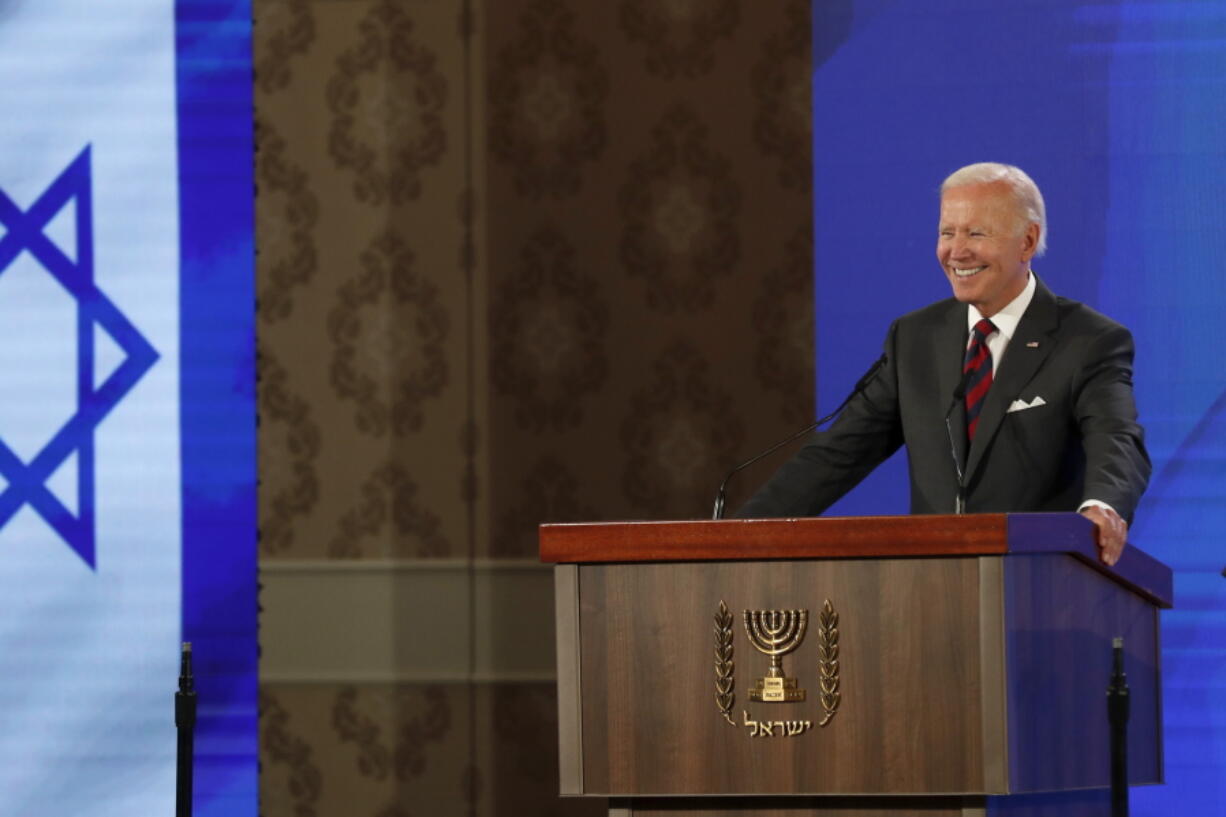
[
  {"x": 1117, "y": 715},
  {"x": 185, "y": 720}
]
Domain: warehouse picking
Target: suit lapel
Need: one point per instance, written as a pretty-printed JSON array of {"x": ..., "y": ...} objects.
[{"x": 1031, "y": 344}]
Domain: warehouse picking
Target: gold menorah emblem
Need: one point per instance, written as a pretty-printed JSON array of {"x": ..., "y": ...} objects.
[{"x": 776, "y": 633}]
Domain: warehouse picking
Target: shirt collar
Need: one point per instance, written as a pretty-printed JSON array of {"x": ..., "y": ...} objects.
[{"x": 1006, "y": 320}]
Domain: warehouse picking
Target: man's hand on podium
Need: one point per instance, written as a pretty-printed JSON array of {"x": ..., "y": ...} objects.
[{"x": 1110, "y": 532}]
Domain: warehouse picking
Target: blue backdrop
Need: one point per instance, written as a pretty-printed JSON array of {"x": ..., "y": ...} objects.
[{"x": 1118, "y": 111}]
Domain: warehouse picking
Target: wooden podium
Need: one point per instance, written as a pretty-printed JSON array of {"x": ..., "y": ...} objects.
[{"x": 949, "y": 665}]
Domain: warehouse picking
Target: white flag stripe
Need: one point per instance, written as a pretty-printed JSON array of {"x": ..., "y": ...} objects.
[{"x": 90, "y": 654}]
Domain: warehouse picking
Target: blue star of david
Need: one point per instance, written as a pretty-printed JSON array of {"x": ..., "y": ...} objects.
[{"x": 27, "y": 482}]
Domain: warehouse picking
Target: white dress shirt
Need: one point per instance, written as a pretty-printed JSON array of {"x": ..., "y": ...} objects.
[{"x": 1005, "y": 320}]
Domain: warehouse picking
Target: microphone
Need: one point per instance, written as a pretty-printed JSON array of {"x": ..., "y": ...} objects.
[
  {"x": 861, "y": 384},
  {"x": 958, "y": 396}
]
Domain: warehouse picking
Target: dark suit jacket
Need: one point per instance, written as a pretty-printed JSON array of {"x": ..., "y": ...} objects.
[{"x": 1084, "y": 443}]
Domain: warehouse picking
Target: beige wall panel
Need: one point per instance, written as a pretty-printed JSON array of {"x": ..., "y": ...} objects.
[{"x": 420, "y": 620}]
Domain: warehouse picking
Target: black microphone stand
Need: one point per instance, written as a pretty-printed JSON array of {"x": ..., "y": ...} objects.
[
  {"x": 1117, "y": 715},
  {"x": 721, "y": 496},
  {"x": 185, "y": 721}
]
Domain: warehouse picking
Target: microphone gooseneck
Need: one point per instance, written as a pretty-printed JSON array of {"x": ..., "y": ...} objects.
[
  {"x": 721, "y": 495},
  {"x": 958, "y": 396}
]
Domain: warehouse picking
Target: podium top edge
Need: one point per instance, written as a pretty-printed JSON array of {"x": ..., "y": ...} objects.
[{"x": 864, "y": 537}]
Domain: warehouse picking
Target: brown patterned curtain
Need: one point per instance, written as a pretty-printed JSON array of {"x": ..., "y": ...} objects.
[{"x": 519, "y": 261}]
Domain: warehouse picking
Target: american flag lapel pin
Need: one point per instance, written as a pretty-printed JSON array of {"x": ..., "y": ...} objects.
[{"x": 1032, "y": 344}]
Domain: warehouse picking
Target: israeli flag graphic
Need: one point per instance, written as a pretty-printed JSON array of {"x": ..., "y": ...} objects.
[{"x": 90, "y": 517}]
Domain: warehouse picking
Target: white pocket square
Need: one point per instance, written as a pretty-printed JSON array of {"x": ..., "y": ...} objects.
[{"x": 1022, "y": 405}]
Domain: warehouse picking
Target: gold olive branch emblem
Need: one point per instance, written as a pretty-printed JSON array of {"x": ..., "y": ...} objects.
[
  {"x": 725, "y": 683},
  {"x": 828, "y": 656},
  {"x": 828, "y": 663}
]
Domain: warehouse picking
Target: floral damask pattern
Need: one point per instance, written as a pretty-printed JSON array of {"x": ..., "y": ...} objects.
[
  {"x": 289, "y": 442},
  {"x": 782, "y": 124},
  {"x": 550, "y": 494},
  {"x": 681, "y": 36},
  {"x": 389, "y": 332},
  {"x": 548, "y": 324},
  {"x": 389, "y": 496},
  {"x": 471, "y": 785},
  {"x": 526, "y": 715},
  {"x": 784, "y": 329},
  {"x": 359, "y": 719},
  {"x": 679, "y": 431},
  {"x": 352, "y": 726},
  {"x": 680, "y": 207},
  {"x": 547, "y": 100},
  {"x": 287, "y": 212},
  {"x": 394, "y": 810},
  {"x": 280, "y": 746},
  {"x": 550, "y": 82},
  {"x": 470, "y": 444},
  {"x": 283, "y": 29},
  {"x": 387, "y": 100}
]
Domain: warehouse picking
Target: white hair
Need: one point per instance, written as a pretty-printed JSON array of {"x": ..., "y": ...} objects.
[{"x": 1025, "y": 191}]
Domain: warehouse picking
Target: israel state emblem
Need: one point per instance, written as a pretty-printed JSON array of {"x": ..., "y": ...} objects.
[{"x": 775, "y": 634}]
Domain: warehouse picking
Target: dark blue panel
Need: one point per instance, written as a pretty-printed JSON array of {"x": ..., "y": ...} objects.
[{"x": 217, "y": 301}]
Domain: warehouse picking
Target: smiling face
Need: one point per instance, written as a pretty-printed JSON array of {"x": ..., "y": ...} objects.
[{"x": 985, "y": 245}]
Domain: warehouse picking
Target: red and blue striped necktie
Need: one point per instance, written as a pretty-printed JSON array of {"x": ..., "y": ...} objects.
[{"x": 977, "y": 369}]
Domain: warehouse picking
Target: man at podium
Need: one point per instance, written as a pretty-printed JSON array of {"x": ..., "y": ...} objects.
[{"x": 1007, "y": 397}]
